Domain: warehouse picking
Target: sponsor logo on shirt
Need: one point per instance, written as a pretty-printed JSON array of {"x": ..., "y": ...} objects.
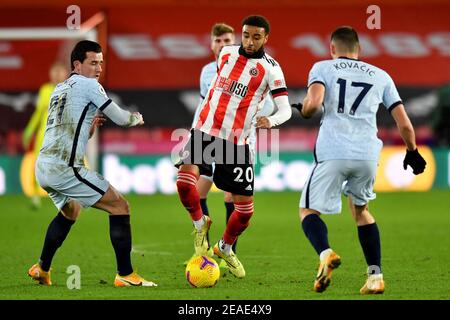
[{"x": 231, "y": 86}]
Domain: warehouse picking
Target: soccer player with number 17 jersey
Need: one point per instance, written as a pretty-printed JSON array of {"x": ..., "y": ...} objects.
[{"x": 347, "y": 151}]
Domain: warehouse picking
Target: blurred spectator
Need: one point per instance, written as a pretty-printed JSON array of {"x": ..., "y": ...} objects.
[{"x": 36, "y": 126}]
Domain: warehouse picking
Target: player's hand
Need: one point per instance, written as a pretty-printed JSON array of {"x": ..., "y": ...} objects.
[
  {"x": 137, "y": 119},
  {"x": 415, "y": 160},
  {"x": 297, "y": 106},
  {"x": 263, "y": 123},
  {"x": 99, "y": 120}
]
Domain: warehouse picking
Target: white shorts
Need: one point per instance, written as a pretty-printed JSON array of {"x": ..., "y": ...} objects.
[
  {"x": 329, "y": 179},
  {"x": 64, "y": 183}
]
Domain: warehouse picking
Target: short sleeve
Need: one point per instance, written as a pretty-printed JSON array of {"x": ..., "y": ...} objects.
[
  {"x": 391, "y": 98},
  {"x": 316, "y": 75}
]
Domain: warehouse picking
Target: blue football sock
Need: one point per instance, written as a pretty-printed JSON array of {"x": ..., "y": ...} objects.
[
  {"x": 316, "y": 231},
  {"x": 369, "y": 237}
]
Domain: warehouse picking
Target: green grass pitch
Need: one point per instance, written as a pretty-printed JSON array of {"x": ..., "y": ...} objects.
[{"x": 280, "y": 263}]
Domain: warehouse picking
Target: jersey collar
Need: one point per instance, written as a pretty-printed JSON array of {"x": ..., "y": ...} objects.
[
  {"x": 348, "y": 58},
  {"x": 257, "y": 55}
]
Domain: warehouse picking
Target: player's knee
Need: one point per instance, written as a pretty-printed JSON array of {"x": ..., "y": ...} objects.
[
  {"x": 117, "y": 206},
  {"x": 125, "y": 206},
  {"x": 227, "y": 197},
  {"x": 71, "y": 210},
  {"x": 360, "y": 211},
  {"x": 304, "y": 212}
]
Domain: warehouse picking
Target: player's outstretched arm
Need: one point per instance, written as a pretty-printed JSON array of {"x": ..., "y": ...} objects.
[
  {"x": 313, "y": 100},
  {"x": 412, "y": 157},
  {"x": 123, "y": 117}
]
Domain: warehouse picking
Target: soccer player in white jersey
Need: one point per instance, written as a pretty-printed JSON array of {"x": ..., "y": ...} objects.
[
  {"x": 221, "y": 35},
  {"x": 60, "y": 168},
  {"x": 245, "y": 76},
  {"x": 347, "y": 150}
]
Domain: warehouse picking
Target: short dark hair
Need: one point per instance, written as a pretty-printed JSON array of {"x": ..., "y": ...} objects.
[
  {"x": 347, "y": 37},
  {"x": 257, "y": 21},
  {"x": 80, "y": 49}
]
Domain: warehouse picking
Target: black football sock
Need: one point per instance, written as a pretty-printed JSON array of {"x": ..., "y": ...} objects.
[
  {"x": 204, "y": 207},
  {"x": 229, "y": 206},
  {"x": 369, "y": 237},
  {"x": 56, "y": 234},
  {"x": 206, "y": 213},
  {"x": 316, "y": 231},
  {"x": 120, "y": 234}
]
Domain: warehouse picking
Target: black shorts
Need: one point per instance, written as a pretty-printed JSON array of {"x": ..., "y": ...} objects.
[{"x": 228, "y": 163}]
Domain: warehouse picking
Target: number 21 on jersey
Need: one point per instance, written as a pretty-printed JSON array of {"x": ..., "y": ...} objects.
[{"x": 56, "y": 109}]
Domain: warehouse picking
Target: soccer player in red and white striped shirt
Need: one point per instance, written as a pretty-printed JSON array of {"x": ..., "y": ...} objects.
[{"x": 245, "y": 75}]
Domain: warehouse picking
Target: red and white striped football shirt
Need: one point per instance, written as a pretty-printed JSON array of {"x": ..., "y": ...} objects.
[{"x": 235, "y": 94}]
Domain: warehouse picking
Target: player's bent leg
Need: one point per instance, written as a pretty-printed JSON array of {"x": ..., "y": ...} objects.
[
  {"x": 113, "y": 202},
  {"x": 120, "y": 234},
  {"x": 119, "y": 228},
  {"x": 316, "y": 232}
]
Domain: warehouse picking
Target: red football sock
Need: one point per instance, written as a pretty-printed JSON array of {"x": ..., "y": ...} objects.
[
  {"x": 238, "y": 222},
  {"x": 187, "y": 190}
]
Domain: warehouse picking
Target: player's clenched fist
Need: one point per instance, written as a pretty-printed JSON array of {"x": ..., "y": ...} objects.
[{"x": 415, "y": 160}]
